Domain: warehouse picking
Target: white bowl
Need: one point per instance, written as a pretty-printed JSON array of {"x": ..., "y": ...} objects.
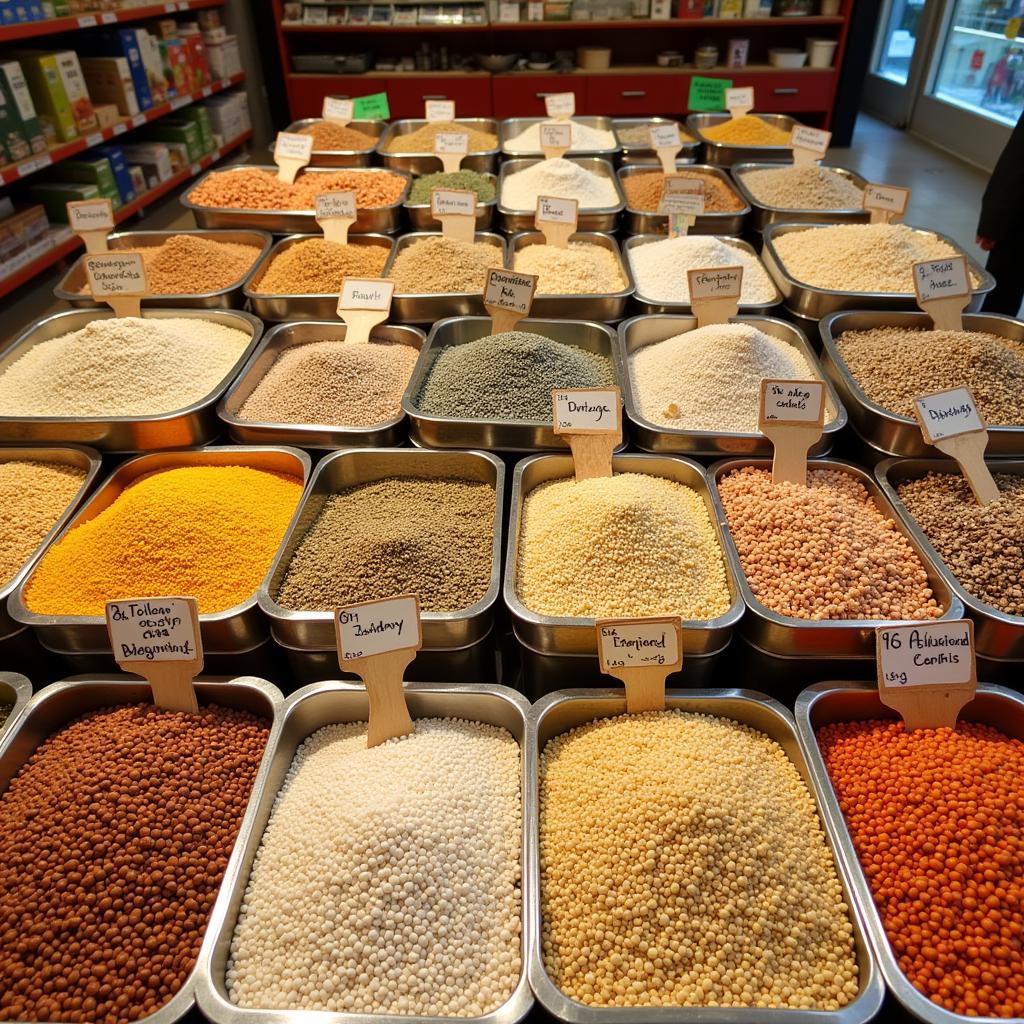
[{"x": 783, "y": 58}]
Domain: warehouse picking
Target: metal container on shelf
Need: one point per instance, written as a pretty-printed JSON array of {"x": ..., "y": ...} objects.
[
  {"x": 997, "y": 634},
  {"x": 825, "y": 703},
  {"x": 306, "y": 711},
  {"x": 550, "y": 634},
  {"x": 646, "y": 222},
  {"x": 314, "y": 630},
  {"x": 342, "y": 157},
  {"x": 725, "y": 154},
  {"x": 60, "y": 703},
  {"x": 639, "y": 331},
  {"x": 429, "y": 307},
  {"x": 435, "y": 431},
  {"x": 514, "y": 126},
  {"x": 763, "y": 214},
  {"x": 605, "y": 307},
  {"x": 591, "y": 218},
  {"x": 812, "y": 303},
  {"x": 424, "y": 161},
  {"x": 646, "y": 304},
  {"x": 788, "y": 637},
  {"x": 883, "y": 429},
  {"x": 370, "y": 219},
  {"x": 195, "y": 424},
  {"x": 643, "y": 153},
  {"x": 72, "y": 287},
  {"x": 421, "y": 219},
  {"x": 563, "y": 710},
  {"x": 15, "y": 692},
  {"x": 235, "y": 629},
  {"x": 289, "y": 336},
  {"x": 297, "y": 306}
]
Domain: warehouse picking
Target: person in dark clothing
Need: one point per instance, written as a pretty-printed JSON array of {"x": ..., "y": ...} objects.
[{"x": 1001, "y": 227}]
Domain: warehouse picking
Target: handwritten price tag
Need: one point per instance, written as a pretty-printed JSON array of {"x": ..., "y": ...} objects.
[
  {"x": 91, "y": 215},
  {"x": 555, "y": 138},
  {"x": 451, "y": 147},
  {"x": 378, "y": 627},
  {"x": 943, "y": 289},
  {"x": 153, "y": 629},
  {"x": 366, "y": 293},
  {"x": 560, "y": 105},
  {"x": 945, "y": 414},
  {"x": 508, "y": 296},
  {"x": 715, "y": 293},
  {"x": 557, "y": 218},
  {"x": 439, "y": 110},
  {"x": 340, "y": 111},
  {"x": 587, "y": 410},
  {"x": 634, "y": 643},
  {"x": 292, "y": 152},
  {"x": 119, "y": 278},
  {"x": 887, "y": 203},
  {"x": 792, "y": 401},
  {"x": 456, "y": 210},
  {"x": 740, "y": 101},
  {"x": 808, "y": 144}
]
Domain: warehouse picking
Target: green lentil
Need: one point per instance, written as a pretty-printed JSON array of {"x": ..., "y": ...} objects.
[{"x": 470, "y": 181}]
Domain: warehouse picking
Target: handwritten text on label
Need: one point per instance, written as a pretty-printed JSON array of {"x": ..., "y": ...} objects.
[
  {"x": 742, "y": 98},
  {"x": 292, "y": 146},
  {"x": 91, "y": 215},
  {"x": 557, "y": 211},
  {"x": 555, "y": 136},
  {"x": 153, "y": 629},
  {"x": 377, "y": 627},
  {"x": 365, "y": 293},
  {"x": 937, "y": 279},
  {"x": 929, "y": 654},
  {"x": 716, "y": 283},
  {"x": 792, "y": 401},
  {"x": 439, "y": 110},
  {"x": 813, "y": 139},
  {"x": 948, "y": 413},
  {"x": 891, "y": 198},
  {"x": 337, "y": 110},
  {"x": 336, "y": 204},
  {"x": 451, "y": 142},
  {"x": 665, "y": 136},
  {"x": 560, "y": 104},
  {"x": 451, "y": 201},
  {"x": 508, "y": 290},
  {"x": 634, "y": 645},
  {"x": 116, "y": 273},
  {"x": 580, "y": 411}
]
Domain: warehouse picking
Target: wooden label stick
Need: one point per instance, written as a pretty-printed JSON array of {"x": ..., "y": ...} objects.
[
  {"x": 376, "y": 641},
  {"x": 887, "y": 203},
  {"x": 455, "y": 208},
  {"x": 791, "y": 416},
  {"x": 665, "y": 141},
  {"x": 950, "y": 421},
  {"x": 943, "y": 289},
  {"x": 557, "y": 219},
  {"x": 291, "y": 153},
  {"x": 555, "y": 139},
  {"x": 337, "y": 110},
  {"x": 715, "y": 293},
  {"x": 927, "y": 671},
  {"x": 591, "y": 420},
  {"x": 336, "y": 213},
  {"x": 508, "y": 296},
  {"x": 119, "y": 279},
  {"x": 643, "y": 653},
  {"x": 560, "y": 106},
  {"x": 739, "y": 102},
  {"x": 451, "y": 147},
  {"x": 92, "y": 220},
  {"x": 439, "y": 111},
  {"x": 158, "y": 638},
  {"x": 809, "y": 145},
  {"x": 363, "y": 304},
  {"x": 682, "y": 201}
]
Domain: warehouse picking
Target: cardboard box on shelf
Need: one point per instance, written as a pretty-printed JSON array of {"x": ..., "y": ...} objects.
[
  {"x": 76, "y": 91},
  {"x": 119, "y": 168},
  {"x": 200, "y": 117},
  {"x": 229, "y": 115},
  {"x": 209, "y": 19},
  {"x": 49, "y": 97},
  {"x": 122, "y": 42},
  {"x": 55, "y": 195},
  {"x": 13, "y": 79},
  {"x": 177, "y": 130},
  {"x": 90, "y": 169},
  {"x": 107, "y": 114},
  {"x": 138, "y": 176},
  {"x": 110, "y": 80},
  {"x": 198, "y": 65},
  {"x": 149, "y": 49},
  {"x": 175, "y": 60},
  {"x": 21, "y": 228},
  {"x": 164, "y": 28},
  {"x": 153, "y": 158},
  {"x": 224, "y": 58}
]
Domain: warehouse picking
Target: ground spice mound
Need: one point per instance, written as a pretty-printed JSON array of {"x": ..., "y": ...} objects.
[
  {"x": 207, "y": 531},
  {"x": 823, "y": 551},
  {"x": 315, "y": 266},
  {"x": 937, "y": 820},
  {"x": 748, "y": 130},
  {"x": 334, "y": 383},
  {"x": 803, "y": 188},
  {"x": 896, "y": 364},
  {"x": 331, "y": 135},
  {"x": 644, "y": 191},
  {"x": 400, "y": 535},
  {"x": 640, "y": 135},
  {"x": 33, "y": 496},
  {"x": 422, "y": 139},
  {"x": 582, "y": 268},
  {"x": 437, "y": 265},
  {"x": 469, "y": 181},
  {"x": 682, "y": 863},
  {"x": 253, "y": 188},
  {"x": 114, "y": 838}
]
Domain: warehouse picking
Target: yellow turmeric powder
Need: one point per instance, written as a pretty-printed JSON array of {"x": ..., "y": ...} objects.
[
  {"x": 748, "y": 130},
  {"x": 208, "y": 532}
]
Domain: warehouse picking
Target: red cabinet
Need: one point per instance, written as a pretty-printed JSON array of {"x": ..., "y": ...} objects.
[
  {"x": 782, "y": 92},
  {"x": 637, "y": 95},
  {"x": 522, "y": 95},
  {"x": 406, "y": 93}
]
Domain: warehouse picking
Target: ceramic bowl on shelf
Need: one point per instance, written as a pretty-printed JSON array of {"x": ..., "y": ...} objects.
[
  {"x": 496, "y": 62},
  {"x": 786, "y": 58}
]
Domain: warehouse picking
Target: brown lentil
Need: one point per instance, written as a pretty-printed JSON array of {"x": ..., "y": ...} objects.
[
  {"x": 422, "y": 139},
  {"x": 823, "y": 551},
  {"x": 644, "y": 190},
  {"x": 315, "y": 266},
  {"x": 253, "y": 188},
  {"x": 436, "y": 264},
  {"x": 331, "y": 135},
  {"x": 114, "y": 838}
]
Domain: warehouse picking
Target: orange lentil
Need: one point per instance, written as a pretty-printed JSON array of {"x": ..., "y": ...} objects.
[
  {"x": 937, "y": 819},
  {"x": 252, "y": 188},
  {"x": 643, "y": 191}
]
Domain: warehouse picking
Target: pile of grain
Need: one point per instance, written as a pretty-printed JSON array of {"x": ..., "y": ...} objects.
[
  {"x": 439, "y": 265},
  {"x": 315, "y": 266}
]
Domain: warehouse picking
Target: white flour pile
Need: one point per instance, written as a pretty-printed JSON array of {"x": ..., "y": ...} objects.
[
  {"x": 560, "y": 178},
  {"x": 583, "y": 138}
]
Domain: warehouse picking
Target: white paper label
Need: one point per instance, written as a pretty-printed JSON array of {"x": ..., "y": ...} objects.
[
  {"x": 948, "y": 413},
  {"x": 928, "y": 654},
  {"x": 152, "y": 629},
  {"x": 116, "y": 273},
  {"x": 337, "y": 110},
  {"x": 446, "y": 202},
  {"x": 451, "y": 142},
  {"x": 506, "y": 289},
  {"x": 638, "y": 644},
  {"x": 378, "y": 627},
  {"x": 682, "y": 195},
  {"x": 439, "y": 110},
  {"x": 891, "y": 198},
  {"x": 560, "y": 104},
  {"x": 939, "y": 279},
  {"x": 554, "y": 210},
  {"x": 792, "y": 401},
  {"x": 582, "y": 411},
  {"x": 716, "y": 283},
  {"x": 741, "y": 98},
  {"x": 335, "y": 204},
  {"x": 555, "y": 135},
  {"x": 508, "y": 12},
  {"x": 813, "y": 139},
  {"x": 91, "y": 215},
  {"x": 366, "y": 293},
  {"x": 292, "y": 146},
  {"x": 665, "y": 136},
  {"x": 535, "y": 10}
]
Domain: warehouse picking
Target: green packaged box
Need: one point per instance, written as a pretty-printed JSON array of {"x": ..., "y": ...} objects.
[
  {"x": 200, "y": 116},
  {"x": 92, "y": 171},
  {"x": 48, "y": 95},
  {"x": 55, "y": 195},
  {"x": 13, "y": 80},
  {"x": 175, "y": 130},
  {"x": 13, "y": 146}
]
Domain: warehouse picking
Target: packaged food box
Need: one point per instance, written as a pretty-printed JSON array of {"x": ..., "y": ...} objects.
[
  {"x": 178, "y": 130},
  {"x": 224, "y": 58},
  {"x": 92, "y": 169},
  {"x": 200, "y": 117},
  {"x": 76, "y": 91},
  {"x": 46, "y": 87},
  {"x": 55, "y": 195},
  {"x": 110, "y": 80},
  {"x": 13, "y": 79},
  {"x": 119, "y": 168},
  {"x": 153, "y": 158}
]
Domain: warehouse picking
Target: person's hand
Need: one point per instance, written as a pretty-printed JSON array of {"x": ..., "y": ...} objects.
[{"x": 988, "y": 244}]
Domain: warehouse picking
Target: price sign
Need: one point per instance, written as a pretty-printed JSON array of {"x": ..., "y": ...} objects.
[
  {"x": 119, "y": 278},
  {"x": 336, "y": 213},
  {"x": 557, "y": 218},
  {"x": 339, "y": 111},
  {"x": 555, "y": 139},
  {"x": 451, "y": 147},
  {"x": 363, "y": 304},
  {"x": 665, "y": 141},
  {"x": 508, "y": 296},
  {"x": 591, "y": 421},
  {"x": 791, "y": 415},
  {"x": 92, "y": 220},
  {"x": 715, "y": 293},
  {"x": 682, "y": 201},
  {"x": 707, "y": 94},
  {"x": 739, "y": 102},
  {"x": 372, "y": 108},
  {"x": 456, "y": 210},
  {"x": 943, "y": 289},
  {"x": 887, "y": 203},
  {"x": 560, "y": 105},
  {"x": 439, "y": 110},
  {"x": 808, "y": 144},
  {"x": 642, "y": 653},
  {"x": 292, "y": 152}
]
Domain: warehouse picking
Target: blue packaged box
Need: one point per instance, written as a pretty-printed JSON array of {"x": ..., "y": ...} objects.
[
  {"x": 121, "y": 42},
  {"x": 119, "y": 165}
]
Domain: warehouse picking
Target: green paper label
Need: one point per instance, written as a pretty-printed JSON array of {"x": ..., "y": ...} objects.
[
  {"x": 708, "y": 94},
  {"x": 371, "y": 108}
]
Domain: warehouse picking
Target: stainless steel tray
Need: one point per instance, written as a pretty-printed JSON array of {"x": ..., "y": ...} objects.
[
  {"x": 86, "y": 459},
  {"x": 888, "y": 431},
  {"x": 644, "y": 222},
  {"x": 605, "y": 307},
  {"x": 811, "y": 302},
  {"x": 549, "y": 634},
  {"x": 824, "y": 703},
  {"x": 71, "y": 285},
  {"x": 235, "y": 629},
  {"x": 422, "y": 162},
  {"x": 421, "y": 219},
  {"x": 61, "y": 702},
  {"x": 513, "y": 126},
  {"x": 342, "y": 157},
  {"x": 297, "y": 306},
  {"x": 386, "y": 219},
  {"x": 195, "y": 424},
  {"x": 723, "y": 154},
  {"x": 591, "y": 218},
  {"x": 314, "y": 630},
  {"x": 997, "y": 634},
  {"x": 786, "y": 636},
  {"x": 557, "y": 713},
  {"x": 308, "y": 435},
  {"x": 16, "y": 690},
  {"x": 763, "y": 214},
  {"x": 645, "y": 304},
  {"x": 631, "y": 153},
  {"x": 428, "y": 307},
  {"x": 306, "y": 711},
  {"x": 643, "y": 330},
  {"x": 434, "y": 431}
]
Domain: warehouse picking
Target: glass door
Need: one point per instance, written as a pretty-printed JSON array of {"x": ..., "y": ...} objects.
[{"x": 892, "y": 82}]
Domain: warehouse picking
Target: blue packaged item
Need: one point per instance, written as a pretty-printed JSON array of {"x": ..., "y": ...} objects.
[
  {"x": 119, "y": 165},
  {"x": 121, "y": 42}
]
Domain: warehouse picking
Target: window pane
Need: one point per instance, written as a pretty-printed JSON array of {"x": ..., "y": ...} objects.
[{"x": 900, "y": 35}]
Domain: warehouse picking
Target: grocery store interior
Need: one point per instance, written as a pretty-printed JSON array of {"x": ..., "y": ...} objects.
[{"x": 511, "y": 510}]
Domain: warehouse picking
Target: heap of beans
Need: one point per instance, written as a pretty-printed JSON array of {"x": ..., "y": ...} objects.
[
  {"x": 468, "y": 181},
  {"x": 682, "y": 863},
  {"x": 823, "y": 551},
  {"x": 438, "y": 265},
  {"x": 253, "y": 188},
  {"x": 937, "y": 820},
  {"x": 421, "y": 140},
  {"x": 114, "y": 838},
  {"x": 581, "y": 268},
  {"x": 640, "y": 134},
  {"x": 808, "y": 188},
  {"x": 388, "y": 880},
  {"x": 331, "y": 135},
  {"x": 316, "y": 266},
  {"x": 644, "y": 191},
  {"x": 748, "y": 130}
]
